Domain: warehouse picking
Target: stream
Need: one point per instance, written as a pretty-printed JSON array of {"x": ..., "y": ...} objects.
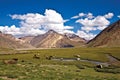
[{"x": 111, "y": 59}]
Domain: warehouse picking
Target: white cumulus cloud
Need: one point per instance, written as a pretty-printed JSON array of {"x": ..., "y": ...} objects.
[
  {"x": 109, "y": 15},
  {"x": 97, "y": 23},
  {"x": 74, "y": 17},
  {"x": 80, "y": 15},
  {"x": 90, "y": 16},
  {"x": 92, "y": 23},
  {"x": 85, "y": 35},
  {"x": 10, "y": 30},
  {"x": 118, "y": 16},
  {"x": 35, "y": 23}
]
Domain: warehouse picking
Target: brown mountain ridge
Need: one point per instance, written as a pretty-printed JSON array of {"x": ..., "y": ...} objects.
[
  {"x": 9, "y": 41},
  {"x": 52, "y": 39},
  {"x": 109, "y": 37}
]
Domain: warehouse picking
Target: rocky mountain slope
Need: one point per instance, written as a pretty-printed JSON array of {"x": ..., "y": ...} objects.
[
  {"x": 75, "y": 38},
  {"x": 27, "y": 39},
  {"x": 109, "y": 37},
  {"x": 8, "y": 41},
  {"x": 52, "y": 39}
]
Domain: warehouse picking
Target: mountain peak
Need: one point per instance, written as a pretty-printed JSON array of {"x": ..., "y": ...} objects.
[
  {"x": 51, "y": 31},
  {"x": 70, "y": 35}
]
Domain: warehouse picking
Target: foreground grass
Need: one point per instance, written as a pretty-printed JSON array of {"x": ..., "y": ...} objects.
[
  {"x": 29, "y": 68},
  {"x": 33, "y": 71}
]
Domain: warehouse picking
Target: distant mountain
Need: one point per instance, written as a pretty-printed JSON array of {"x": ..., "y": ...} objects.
[
  {"x": 9, "y": 41},
  {"x": 75, "y": 38},
  {"x": 52, "y": 39},
  {"x": 109, "y": 37},
  {"x": 27, "y": 39}
]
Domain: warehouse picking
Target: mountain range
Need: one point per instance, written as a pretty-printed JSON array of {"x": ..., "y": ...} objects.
[
  {"x": 109, "y": 37},
  {"x": 51, "y": 39}
]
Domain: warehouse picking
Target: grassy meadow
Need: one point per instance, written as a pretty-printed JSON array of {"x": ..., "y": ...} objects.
[{"x": 29, "y": 68}]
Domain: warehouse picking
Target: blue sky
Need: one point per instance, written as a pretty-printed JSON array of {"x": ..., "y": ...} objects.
[{"x": 85, "y": 18}]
